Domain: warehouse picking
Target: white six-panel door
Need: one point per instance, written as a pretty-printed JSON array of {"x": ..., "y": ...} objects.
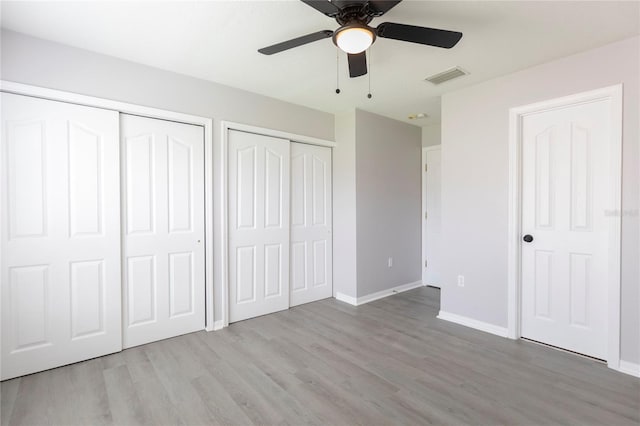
[
  {"x": 258, "y": 225},
  {"x": 163, "y": 228},
  {"x": 60, "y": 234},
  {"x": 311, "y": 240},
  {"x": 566, "y": 165}
]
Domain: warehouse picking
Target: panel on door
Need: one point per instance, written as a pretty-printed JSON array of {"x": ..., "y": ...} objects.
[
  {"x": 432, "y": 218},
  {"x": 60, "y": 234},
  {"x": 163, "y": 212},
  {"x": 566, "y": 161},
  {"x": 258, "y": 225},
  {"x": 311, "y": 239}
]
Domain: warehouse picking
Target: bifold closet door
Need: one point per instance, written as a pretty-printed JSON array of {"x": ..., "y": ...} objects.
[
  {"x": 311, "y": 242},
  {"x": 163, "y": 227},
  {"x": 60, "y": 234},
  {"x": 258, "y": 225}
]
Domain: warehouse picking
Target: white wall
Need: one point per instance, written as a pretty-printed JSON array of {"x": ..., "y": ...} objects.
[
  {"x": 345, "y": 277},
  {"x": 431, "y": 135},
  {"x": 475, "y": 127},
  {"x": 388, "y": 186},
  {"x": 42, "y": 63}
]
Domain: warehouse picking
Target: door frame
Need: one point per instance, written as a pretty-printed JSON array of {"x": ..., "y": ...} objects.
[
  {"x": 425, "y": 150},
  {"x": 516, "y": 114},
  {"x": 128, "y": 108},
  {"x": 225, "y": 127}
]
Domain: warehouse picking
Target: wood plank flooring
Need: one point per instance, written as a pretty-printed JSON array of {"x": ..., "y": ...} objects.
[{"x": 390, "y": 362}]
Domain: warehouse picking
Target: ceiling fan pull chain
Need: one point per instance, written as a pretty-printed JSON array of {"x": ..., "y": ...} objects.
[
  {"x": 370, "y": 70},
  {"x": 337, "y": 72}
]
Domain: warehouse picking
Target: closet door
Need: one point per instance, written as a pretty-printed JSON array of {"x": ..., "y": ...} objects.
[
  {"x": 60, "y": 234},
  {"x": 258, "y": 225},
  {"x": 311, "y": 242},
  {"x": 163, "y": 226}
]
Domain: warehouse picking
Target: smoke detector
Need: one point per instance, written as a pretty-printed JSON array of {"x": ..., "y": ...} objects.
[{"x": 446, "y": 75}]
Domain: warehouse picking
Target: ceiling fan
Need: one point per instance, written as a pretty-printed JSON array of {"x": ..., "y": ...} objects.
[{"x": 355, "y": 35}]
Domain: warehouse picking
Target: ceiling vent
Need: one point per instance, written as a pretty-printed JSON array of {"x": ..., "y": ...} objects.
[{"x": 447, "y": 75}]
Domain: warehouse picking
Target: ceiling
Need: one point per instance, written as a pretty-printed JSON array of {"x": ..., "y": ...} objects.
[{"x": 218, "y": 41}]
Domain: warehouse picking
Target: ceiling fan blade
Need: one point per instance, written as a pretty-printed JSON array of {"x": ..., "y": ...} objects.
[
  {"x": 323, "y": 6},
  {"x": 421, "y": 35},
  {"x": 357, "y": 64},
  {"x": 380, "y": 7},
  {"x": 299, "y": 41}
]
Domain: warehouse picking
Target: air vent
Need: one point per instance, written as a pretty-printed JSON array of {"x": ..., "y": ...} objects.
[{"x": 447, "y": 75}]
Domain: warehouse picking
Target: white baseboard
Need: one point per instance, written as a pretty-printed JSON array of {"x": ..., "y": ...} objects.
[
  {"x": 357, "y": 301},
  {"x": 218, "y": 325},
  {"x": 630, "y": 368},
  {"x": 472, "y": 323},
  {"x": 625, "y": 367},
  {"x": 431, "y": 285},
  {"x": 346, "y": 299}
]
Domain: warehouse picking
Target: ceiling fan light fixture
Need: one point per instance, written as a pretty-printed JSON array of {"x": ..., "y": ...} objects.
[
  {"x": 354, "y": 38},
  {"x": 419, "y": 115}
]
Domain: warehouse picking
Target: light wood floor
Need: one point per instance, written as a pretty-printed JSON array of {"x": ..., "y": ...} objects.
[{"x": 390, "y": 362}]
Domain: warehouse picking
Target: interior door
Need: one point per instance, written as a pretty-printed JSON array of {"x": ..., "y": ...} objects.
[
  {"x": 432, "y": 217},
  {"x": 566, "y": 157},
  {"x": 60, "y": 234},
  {"x": 311, "y": 214},
  {"x": 163, "y": 228},
  {"x": 258, "y": 225}
]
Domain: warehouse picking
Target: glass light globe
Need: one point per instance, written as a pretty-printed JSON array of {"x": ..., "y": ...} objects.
[{"x": 354, "y": 39}]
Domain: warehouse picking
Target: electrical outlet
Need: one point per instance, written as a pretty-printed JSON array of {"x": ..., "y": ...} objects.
[
  {"x": 390, "y": 262},
  {"x": 460, "y": 280}
]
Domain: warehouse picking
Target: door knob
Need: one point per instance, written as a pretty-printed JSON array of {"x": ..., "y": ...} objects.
[{"x": 527, "y": 238}]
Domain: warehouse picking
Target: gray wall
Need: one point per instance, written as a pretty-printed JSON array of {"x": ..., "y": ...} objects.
[
  {"x": 475, "y": 132},
  {"x": 42, "y": 63},
  {"x": 388, "y": 201},
  {"x": 431, "y": 135}
]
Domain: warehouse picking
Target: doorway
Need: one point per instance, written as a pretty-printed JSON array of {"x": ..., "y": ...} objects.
[
  {"x": 431, "y": 215},
  {"x": 564, "y": 239}
]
